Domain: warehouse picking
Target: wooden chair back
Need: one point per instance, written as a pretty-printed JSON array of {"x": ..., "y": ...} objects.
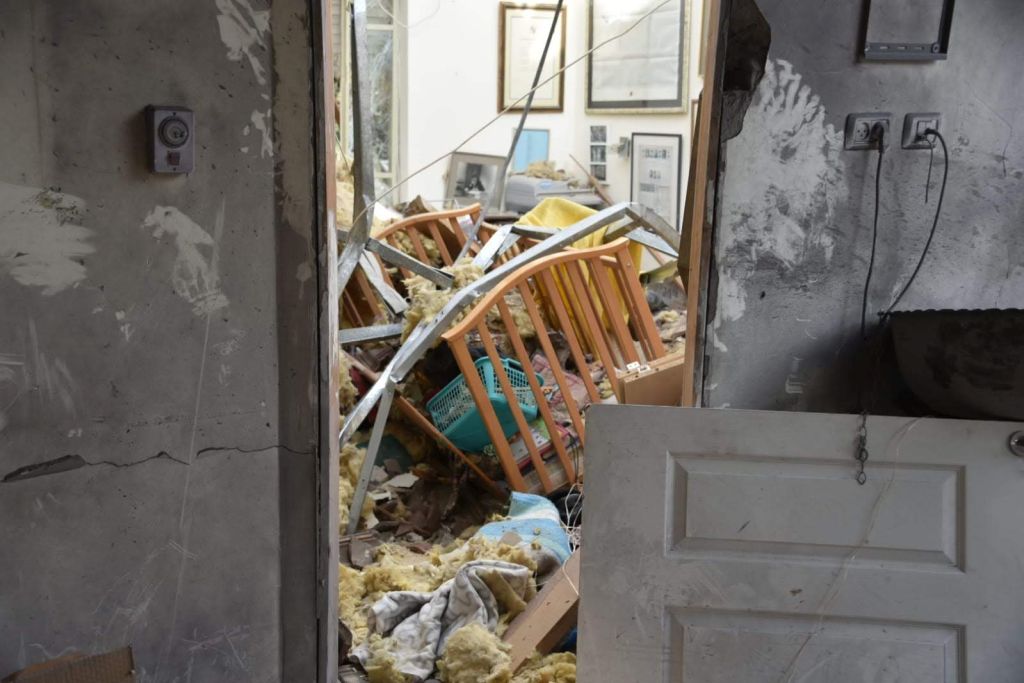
[{"x": 594, "y": 298}]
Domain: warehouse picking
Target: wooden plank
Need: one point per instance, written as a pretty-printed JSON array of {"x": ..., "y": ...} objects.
[
  {"x": 704, "y": 155},
  {"x": 549, "y": 617}
]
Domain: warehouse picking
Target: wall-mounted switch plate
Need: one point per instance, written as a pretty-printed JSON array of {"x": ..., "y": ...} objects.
[
  {"x": 170, "y": 138},
  {"x": 914, "y": 126},
  {"x": 860, "y": 130}
]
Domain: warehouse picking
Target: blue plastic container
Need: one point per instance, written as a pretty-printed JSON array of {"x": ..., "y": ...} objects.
[{"x": 454, "y": 412}]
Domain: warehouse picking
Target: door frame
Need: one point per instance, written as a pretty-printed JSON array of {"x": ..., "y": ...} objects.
[{"x": 328, "y": 417}]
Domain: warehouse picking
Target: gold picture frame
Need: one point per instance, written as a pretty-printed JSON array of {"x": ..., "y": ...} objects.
[{"x": 522, "y": 32}]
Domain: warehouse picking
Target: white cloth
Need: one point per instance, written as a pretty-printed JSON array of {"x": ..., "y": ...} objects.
[{"x": 421, "y": 623}]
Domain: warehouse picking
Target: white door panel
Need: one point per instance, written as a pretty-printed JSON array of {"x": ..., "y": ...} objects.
[{"x": 736, "y": 546}]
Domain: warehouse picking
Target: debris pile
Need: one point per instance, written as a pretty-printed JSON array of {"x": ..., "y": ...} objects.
[{"x": 442, "y": 562}]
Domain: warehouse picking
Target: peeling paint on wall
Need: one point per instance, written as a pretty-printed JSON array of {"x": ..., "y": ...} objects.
[
  {"x": 195, "y": 277},
  {"x": 261, "y": 122},
  {"x": 41, "y": 238},
  {"x": 783, "y": 182},
  {"x": 243, "y": 31}
]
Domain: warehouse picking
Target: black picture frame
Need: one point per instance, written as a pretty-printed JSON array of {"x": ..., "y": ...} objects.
[
  {"x": 909, "y": 50},
  {"x": 678, "y": 104},
  {"x": 677, "y": 187}
]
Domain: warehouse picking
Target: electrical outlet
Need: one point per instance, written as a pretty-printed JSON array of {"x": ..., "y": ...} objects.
[
  {"x": 914, "y": 126},
  {"x": 170, "y": 133},
  {"x": 859, "y": 129}
]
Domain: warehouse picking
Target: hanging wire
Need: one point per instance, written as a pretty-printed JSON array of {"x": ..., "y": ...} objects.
[{"x": 507, "y": 109}]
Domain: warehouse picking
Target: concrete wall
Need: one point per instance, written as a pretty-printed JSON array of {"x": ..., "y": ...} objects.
[
  {"x": 157, "y": 337},
  {"x": 452, "y": 85},
  {"x": 794, "y": 229}
]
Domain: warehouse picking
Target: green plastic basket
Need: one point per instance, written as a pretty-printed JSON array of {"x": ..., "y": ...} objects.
[{"x": 455, "y": 413}]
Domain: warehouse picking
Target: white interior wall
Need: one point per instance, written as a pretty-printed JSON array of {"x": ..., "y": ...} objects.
[{"x": 450, "y": 90}]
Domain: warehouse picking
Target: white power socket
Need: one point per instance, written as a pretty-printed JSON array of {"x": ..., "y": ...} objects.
[
  {"x": 859, "y": 127},
  {"x": 914, "y": 126}
]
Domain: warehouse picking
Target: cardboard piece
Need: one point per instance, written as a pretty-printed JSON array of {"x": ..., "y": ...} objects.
[
  {"x": 659, "y": 383},
  {"x": 112, "y": 667}
]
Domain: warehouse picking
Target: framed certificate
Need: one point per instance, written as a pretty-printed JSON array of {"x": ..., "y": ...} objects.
[
  {"x": 655, "y": 174},
  {"x": 637, "y": 67},
  {"x": 522, "y": 32}
]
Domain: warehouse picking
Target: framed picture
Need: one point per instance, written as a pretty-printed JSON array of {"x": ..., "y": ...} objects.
[
  {"x": 474, "y": 178},
  {"x": 655, "y": 173},
  {"x": 705, "y": 17},
  {"x": 598, "y": 154},
  {"x": 598, "y": 134},
  {"x": 532, "y": 146},
  {"x": 599, "y": 171},
  {"x": 644, "y": 70},
  {"x": 522, "y": 32}
]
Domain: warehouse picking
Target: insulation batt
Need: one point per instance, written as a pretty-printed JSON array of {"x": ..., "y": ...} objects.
[
  {"x": 545, "y": 169},
  {"x": 347, "y": 393},
  {"x": 555, "y": 668},
  {"x": 345, "y": 202},
  {"x": 404, "y": 244},
  {"x": 351, "y": 459},
  {"x": 397, "y": 568},
  {"x": 426, "y": 301},
  {"x": 382, "y": 667},
  {"x": 475, "y": 654}
]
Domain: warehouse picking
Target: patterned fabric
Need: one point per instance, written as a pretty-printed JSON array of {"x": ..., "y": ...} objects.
[{"x": 419, "y": 624}]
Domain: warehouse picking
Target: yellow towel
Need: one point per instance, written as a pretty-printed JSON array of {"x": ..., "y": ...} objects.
[{"x": 558, "y": 212}]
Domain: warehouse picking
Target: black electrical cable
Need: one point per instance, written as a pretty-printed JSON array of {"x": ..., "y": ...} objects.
[
  {"x": 862, "y": 433},
  {"x": 935, "y": 222},
  {"x": 874, "y": 232}
]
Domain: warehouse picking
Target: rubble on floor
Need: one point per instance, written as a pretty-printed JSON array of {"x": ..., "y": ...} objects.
[{"x": 439, "y": 566}]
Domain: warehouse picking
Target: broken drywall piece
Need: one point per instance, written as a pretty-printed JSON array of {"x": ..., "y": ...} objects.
[
  {"x": 243, "y": 31},
  {"x": 194, "y": 277},
  {"x": 42, "y": 241},
  {"x": 402, "y": 481}
]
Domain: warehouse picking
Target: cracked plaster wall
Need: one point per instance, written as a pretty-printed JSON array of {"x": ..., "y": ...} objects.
[
  {"x": 157, "y": 350},
  {"x": 794, "y": 225}
]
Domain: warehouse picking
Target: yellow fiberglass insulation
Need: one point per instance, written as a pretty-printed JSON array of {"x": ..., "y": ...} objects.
[
  {"x": 481, "y": 549},
  {"x": 351, "y": 591},
  {"x": 520, "y": 316},
  {"x": 347, "y": 393},
  {"x": 475, "y": 655},
  {"x": 396, "y": 568},
  {"x": 345, "y": 201},
  {"x": 351, "y": 461},
  {"x": 545, "y": 169},
  {"x": 381, "y": 666},
  {"x": 404, "y": 244},
  {"x": 427, "y": 300},
  {"x": 555, "y": 668}
]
